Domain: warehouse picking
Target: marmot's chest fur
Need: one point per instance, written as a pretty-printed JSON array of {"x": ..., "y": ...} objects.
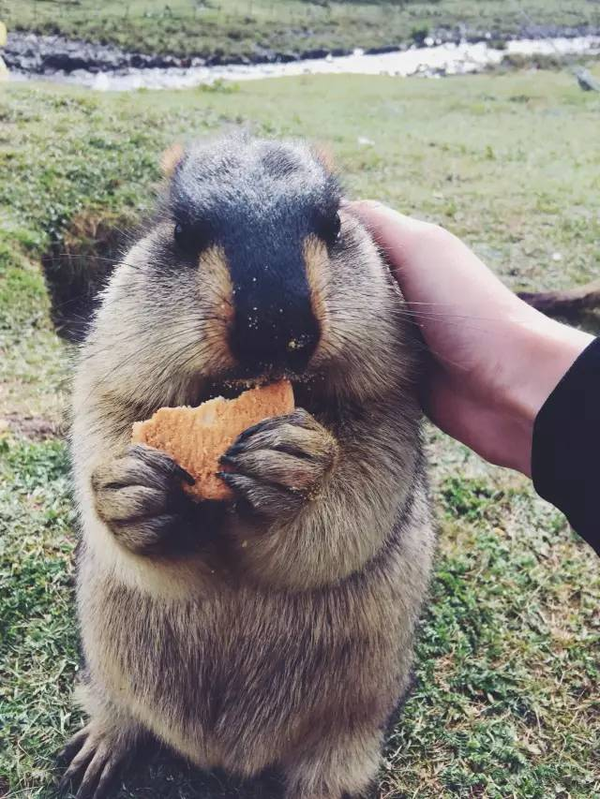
[{"x": 207, "y": 661}]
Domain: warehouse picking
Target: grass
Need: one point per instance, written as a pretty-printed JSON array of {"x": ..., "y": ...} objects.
[
  {"x": 506, "y": 702},
  {"x": 241, "y": 27}
]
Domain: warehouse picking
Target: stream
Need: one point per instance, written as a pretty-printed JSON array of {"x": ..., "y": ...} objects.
[{"x": 433, "y": 59}]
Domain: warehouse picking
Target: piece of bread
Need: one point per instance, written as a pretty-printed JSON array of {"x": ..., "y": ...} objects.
[{"x": 197, "y": 437}]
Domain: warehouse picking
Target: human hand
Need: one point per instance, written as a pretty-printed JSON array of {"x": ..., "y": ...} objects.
[{"x": 495, "y": 359}]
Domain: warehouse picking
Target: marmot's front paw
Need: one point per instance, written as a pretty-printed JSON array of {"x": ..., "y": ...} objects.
[
  {"x": 94, "y": 757},
  {"x": 280, "y": 463},
  {"x": 140, "y": 497}
]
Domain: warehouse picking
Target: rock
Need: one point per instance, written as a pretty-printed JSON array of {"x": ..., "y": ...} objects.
[
  {"x": 38, "y": 54},
  {"x": 587, "y": 81},
  {"x": 236, "y": 59},
  {"x": 263, "y": 58},
  {"x": 262, "y": 55},
  {"x": 214, "y": 60},
  {"x": 137, "y": 60},
  {"x": 286, "y": 58},
  {"x": 315, "y": 53},
  {"x": 387, "y": 48},
  {"x": 63, "y": 62}
]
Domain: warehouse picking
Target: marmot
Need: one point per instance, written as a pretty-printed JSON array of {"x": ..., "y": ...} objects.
[{"x": 275, "y": 630}]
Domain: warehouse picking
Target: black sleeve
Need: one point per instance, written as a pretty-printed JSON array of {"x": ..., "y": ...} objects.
[{"x": 566, "y": 446}]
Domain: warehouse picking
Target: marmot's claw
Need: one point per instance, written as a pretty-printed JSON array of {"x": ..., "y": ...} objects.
[
  {"x": 72, "y": 746},
  {"x": 94, "y": 764},
  {"x": 262, "y": 498},
  {"x": 280, "y": 463}
]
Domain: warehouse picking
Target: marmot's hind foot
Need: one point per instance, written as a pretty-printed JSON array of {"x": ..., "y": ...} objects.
[
  {"x": 345, "y": 769},
  {"x": 95, "y": 758}
]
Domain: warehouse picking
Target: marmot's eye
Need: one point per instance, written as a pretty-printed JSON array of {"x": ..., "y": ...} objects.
[
  {"x": 184, "y": 237},
  {"x": 179, "y": 233},
  {"x": 330, "y": 229},
  {"x": 192, "y": 237},
  {"x": 336, "y": 227}
]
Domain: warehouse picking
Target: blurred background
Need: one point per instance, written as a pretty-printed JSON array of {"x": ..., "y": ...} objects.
[{"x": 482, "y": 115}]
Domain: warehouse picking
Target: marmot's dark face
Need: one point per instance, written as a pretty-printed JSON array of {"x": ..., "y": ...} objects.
[
  {"x": 255, "y": 272},
  {"x": 264, "y": 208}
]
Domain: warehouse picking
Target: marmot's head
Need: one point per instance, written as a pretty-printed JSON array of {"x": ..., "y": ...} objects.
[{"x": 252, "y": 271}]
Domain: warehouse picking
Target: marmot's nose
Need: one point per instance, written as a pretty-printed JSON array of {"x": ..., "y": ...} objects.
[{"x": 280, "y": 338}]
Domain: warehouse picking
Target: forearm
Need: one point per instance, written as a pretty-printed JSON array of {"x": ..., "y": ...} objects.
[{"x": 539, "y": 351}]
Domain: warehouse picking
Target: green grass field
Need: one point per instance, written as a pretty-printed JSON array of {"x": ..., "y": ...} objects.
[
  {"x": 234, "y": 27},
  {"x": 506, "y": 702}
]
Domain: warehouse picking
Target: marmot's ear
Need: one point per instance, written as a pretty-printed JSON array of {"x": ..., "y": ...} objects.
[
  {"x": 324, "y": 155},
  {"x": 171, "y": 158}
]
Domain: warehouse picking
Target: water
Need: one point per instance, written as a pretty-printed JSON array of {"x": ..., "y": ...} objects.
[{"x": 433, "y": 60}]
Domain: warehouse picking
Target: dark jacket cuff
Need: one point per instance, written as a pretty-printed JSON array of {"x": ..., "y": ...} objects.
[{"x": 566, "y": 446}]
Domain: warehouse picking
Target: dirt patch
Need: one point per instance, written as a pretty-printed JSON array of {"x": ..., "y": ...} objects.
[
  {"x": 35, "y": 428},
  {"x": 568, "y": 302},
  {"x": 77, "y": 266}
]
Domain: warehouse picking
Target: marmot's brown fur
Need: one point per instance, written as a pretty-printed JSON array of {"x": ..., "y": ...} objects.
[{"x": 275, "y": 630}]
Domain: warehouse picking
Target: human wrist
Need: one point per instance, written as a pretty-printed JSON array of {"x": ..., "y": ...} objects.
[{"x": 544, "y": 351}]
